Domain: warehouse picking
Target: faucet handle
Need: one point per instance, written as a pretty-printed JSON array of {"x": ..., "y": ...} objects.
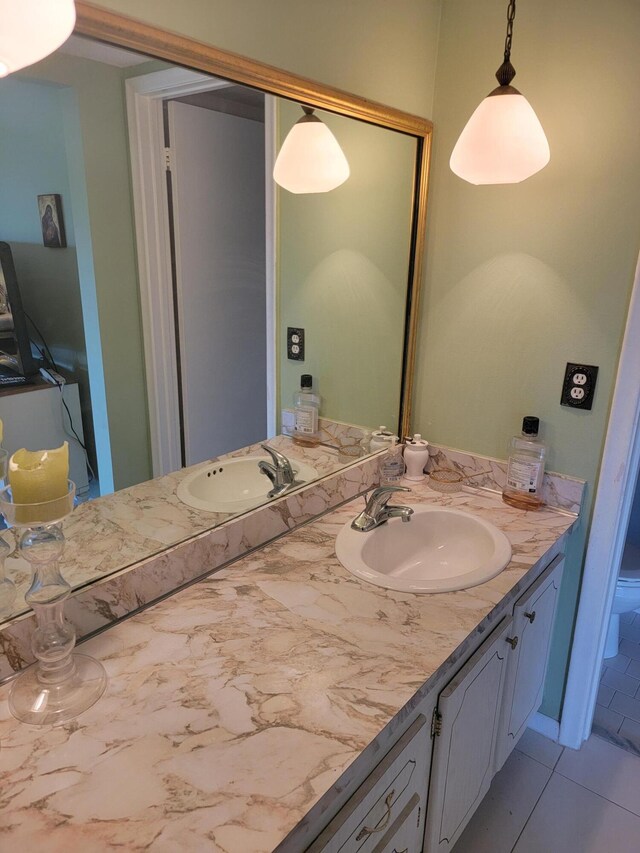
[
  {"x": 279, "y": 460},
  {"x": 380, "y": 495}
]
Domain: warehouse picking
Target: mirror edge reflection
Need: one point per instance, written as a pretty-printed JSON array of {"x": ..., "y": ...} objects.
[{"x": 120, "y": 30}]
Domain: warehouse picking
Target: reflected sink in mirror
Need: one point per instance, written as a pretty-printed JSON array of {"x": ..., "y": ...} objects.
[
  {"x": 439, "y": 550},
  {"x": 235, "y": 485}
]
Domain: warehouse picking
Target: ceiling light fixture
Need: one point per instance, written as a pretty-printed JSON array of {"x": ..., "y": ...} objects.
[
  {"x": 31, "y": 30},
  {"x": 503, "y": 142},
  {"x": 310, "y": 160}
]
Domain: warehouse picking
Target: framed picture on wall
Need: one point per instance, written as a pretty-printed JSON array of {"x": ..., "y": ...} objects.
[{"x": 50, "y": 210}]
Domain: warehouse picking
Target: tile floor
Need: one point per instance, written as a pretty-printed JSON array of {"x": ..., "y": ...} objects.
[
  {"x": 547, "y": 799},
  {"x": 617, "y": 714}
]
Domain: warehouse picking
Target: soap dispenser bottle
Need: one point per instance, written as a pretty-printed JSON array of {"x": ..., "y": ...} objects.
[
  {"x": 416, "y": 456},
  {"x": 306, "y": 405},
  {"x": 392, "y": 464},
  {"x": 525, "y": 468}
]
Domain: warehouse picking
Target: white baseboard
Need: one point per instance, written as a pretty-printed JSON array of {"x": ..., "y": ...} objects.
[{"x": 545, "y": 726}]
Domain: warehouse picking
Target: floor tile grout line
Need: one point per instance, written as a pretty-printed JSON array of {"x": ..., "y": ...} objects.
[
  {"x": 535, "y": 806},
  {"x": 553, "y": 769},
  {"x": 537, "y": 760},
  {"x": 595, "y": 793}
]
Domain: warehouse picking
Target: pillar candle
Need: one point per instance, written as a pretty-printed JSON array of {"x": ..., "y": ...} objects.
[{"x": 36, "y": 476}]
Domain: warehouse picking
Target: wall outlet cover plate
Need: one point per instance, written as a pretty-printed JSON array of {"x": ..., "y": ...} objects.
[
  {"x": 295, "y": 343},
  {"x": 579, "y": 385}
]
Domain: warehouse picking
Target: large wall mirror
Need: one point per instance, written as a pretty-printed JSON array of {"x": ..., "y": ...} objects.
[{"x": 179, "y": 266}]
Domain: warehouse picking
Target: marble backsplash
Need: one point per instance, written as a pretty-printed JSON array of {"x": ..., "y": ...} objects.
[
  {"x": 115, "y": 531},
  {"x": 106, "y": 600},
  {"x": 558, "y": 490}
]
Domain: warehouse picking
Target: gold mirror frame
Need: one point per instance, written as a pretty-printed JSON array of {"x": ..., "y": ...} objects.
[{"x": 126, "y": 32}]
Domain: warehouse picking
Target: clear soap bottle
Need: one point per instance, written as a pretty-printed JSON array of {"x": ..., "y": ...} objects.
[
  {"x": 392, "y": 465},
  {"x": 525, "y": 468},
  {"x": 306, "y": 405}
]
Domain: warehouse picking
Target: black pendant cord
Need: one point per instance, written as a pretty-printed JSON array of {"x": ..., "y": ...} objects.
[{"x": 507, "y": 72}]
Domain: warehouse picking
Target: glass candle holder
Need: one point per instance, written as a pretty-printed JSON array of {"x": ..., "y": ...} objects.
[
  {"x": 7, "y": 586},
  {"x": 61, "y": 684}
]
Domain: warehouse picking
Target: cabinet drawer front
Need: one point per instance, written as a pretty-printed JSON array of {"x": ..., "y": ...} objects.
[
  {"x": 377, "y": 804},
  {"x": 405, "y": 836},
  {"x": 464, "y": 751}
]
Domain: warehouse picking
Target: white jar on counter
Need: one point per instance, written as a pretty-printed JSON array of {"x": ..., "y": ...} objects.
[{"x": 416, "y": 456}]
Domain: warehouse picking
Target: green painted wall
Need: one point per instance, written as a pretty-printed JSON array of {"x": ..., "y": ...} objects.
[
  {"x": 523, "y": 278},
  {"x": 108, "y": 270},
  {"x": 343, "y": 267},
  {"x": 382, "y": 50}
]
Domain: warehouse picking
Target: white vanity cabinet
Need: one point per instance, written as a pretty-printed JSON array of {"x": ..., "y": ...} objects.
[
  {"x": 467, "y": 724},
  {"x": 477, "y": 719},
  {"x": 533, "y": 617},
  {"x": 387, "y": 811},
  {"x": 484, "y": 710}
]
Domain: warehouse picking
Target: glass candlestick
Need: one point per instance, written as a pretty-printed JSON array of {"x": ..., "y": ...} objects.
[
  {"x": 7, "y": 586},
  {"x": 61, "y": 684}
]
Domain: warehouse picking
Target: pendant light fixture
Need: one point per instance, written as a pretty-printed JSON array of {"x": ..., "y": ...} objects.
[
  {"x": 310, "y": 160},
  {"x": 31, "y": 30},
  {"x": 503, "y": 142}
]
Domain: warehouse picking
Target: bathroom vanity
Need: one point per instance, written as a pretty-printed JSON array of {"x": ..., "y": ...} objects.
[{"x": 281, "y": 703}]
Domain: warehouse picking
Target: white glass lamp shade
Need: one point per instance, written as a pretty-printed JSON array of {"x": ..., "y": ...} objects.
[
  {"x": 310, "y": 160},
  {"x": 502, "y": 143},
  {"x": 31, "y": 30}
]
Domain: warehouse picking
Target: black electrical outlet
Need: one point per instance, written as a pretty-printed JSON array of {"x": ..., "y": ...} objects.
[
  {"x": 295, "y": 344},
  {"x": 579, "y": 385}
]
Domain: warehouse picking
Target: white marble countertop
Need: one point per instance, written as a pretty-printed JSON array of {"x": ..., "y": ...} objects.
[{"x": 234, "y": 706}]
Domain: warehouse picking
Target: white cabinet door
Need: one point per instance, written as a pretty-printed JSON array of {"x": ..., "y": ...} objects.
[
  {"x": 533, "y": 618},
  {"x": 463, "y": 751}
]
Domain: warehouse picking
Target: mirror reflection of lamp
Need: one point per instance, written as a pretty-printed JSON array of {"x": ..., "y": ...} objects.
[
  {"x": 310, "y": 160},
  {"x": 503, "y": 142},
  {"x": 31, "y": 30}
]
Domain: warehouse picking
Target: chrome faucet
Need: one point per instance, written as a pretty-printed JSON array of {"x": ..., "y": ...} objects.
[
  {"x": 280, "y": 472},
  {"x": 377, "y": 511}
]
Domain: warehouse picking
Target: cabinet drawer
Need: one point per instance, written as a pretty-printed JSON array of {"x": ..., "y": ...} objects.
[
  {"x": 405, "y": 835},
  {"x": 379, "y": 803}
]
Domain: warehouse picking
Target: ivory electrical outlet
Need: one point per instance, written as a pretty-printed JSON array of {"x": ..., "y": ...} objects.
[
  {"x": 579, "y": 385},
  {"x": 295, "y": 344}
]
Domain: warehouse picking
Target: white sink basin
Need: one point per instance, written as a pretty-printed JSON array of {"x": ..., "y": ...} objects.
[
  {"x": 234, "y": 485},
  {"x": 438, "y": 550}
]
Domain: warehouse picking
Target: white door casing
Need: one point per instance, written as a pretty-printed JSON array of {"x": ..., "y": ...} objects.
[
  {"x": 145, "y": 96},
  {"x": 612, "y": 507}
]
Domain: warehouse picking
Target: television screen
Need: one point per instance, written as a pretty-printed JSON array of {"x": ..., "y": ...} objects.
[{"x": 16, "y": 358}]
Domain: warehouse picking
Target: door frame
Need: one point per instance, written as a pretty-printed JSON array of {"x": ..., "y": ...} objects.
[
  {"x": 149, "y": 161},
  {"x": 612, "y": 508}
]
